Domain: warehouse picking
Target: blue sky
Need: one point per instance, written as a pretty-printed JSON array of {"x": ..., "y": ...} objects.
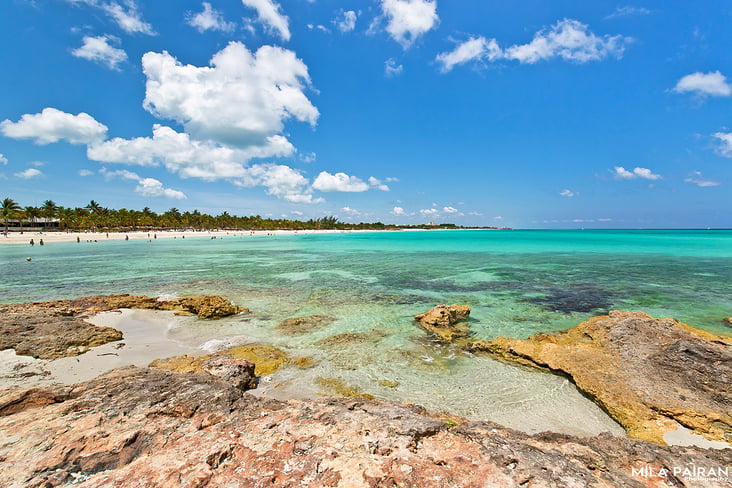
[{"x": 524, "y": 114}]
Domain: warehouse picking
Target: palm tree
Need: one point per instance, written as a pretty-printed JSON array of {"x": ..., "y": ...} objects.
[
  {"x": 9, "y": 208},
  {"x": 32, "y": 213},
  {"x": 93, "y": 207},
  {"x": 49, "y": 209}
]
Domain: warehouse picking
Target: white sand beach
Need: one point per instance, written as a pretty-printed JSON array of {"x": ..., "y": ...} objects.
[{"x": 60, "y": 236}]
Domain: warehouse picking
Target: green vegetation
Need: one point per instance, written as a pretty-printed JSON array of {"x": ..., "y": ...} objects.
[
  {"x": 95, "y": 217},
  {"x": 9, "y": 209}
]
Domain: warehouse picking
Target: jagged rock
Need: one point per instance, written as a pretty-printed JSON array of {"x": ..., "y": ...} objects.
[
  {"x": 647, "y": 373},
  {"x": 446, "y": 323},
  {"x": 300, "y": 325},
  {"x": 206, "y": 307},
  {"x": 238, "y": 372},
  {"x": 54, "y": 329},
  {"x": 143, "y": 427}
]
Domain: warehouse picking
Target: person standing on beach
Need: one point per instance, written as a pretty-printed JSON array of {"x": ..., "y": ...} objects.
[{"x": 32, "y": 243}]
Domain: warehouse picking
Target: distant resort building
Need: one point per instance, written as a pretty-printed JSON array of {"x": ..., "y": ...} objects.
[{"x": 34, "y": 224}]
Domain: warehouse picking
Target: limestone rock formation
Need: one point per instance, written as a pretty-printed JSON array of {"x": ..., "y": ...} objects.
[
  {"x": 205, "y": 307},
  {"x": 54, "y": 329},
  {"x": 48, "y": 333},
  {"x": 446, "y": 323},
  {"x": 138, "y": 427},
  {"x": 648, "y": 374}
]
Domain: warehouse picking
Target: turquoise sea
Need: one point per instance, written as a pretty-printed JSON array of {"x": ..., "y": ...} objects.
[{"x": 518, "y": 282}]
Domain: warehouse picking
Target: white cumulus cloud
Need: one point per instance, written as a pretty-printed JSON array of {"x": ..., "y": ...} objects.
[
  {"x": 181, "y": 154},
  {"x": 350, "y": 211},
  {"x": 85, "y": 172},
  {"x": 628, "y": 11},
  {"x": 99, "y": 50},
  {"x": 407, "y": 20},
  {"x": 569, "y": 40},
  {"x": 378, "y": 184},
  {"x": 725, "y": 147},
  {"x": 29, "y": 173},
  {"x": 340, "y": 182},
  {"x": 346, "y": 21},
  {"x": 3, "y": 159},
  {"x": 391, "y": 68},
  {"x": 127, "y": 17},
  {"x": 696, "y": 178},
  {"x": 270, "y": 14},
  {"x": 147, "y": 187},
  {"x": 281, "y": 181},
  {"x": 450, "y": 210},
  {"x": 53, "y": 125},
  {"x": 567, "y": 193},
  {"x": 429, "y": 212},
  {"x": 712, "y": 84},
  {"x": 241, "y": 99},
  {"x": 398, "y": 211},
  {"x": 150, "y": 187},
  {"x": 621, "y": 173},
  {"x": 474, "y": 49},
  {"x": 209, "y": 19}
]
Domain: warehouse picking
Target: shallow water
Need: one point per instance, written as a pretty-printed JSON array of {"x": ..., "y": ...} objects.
[{"x": 517, "y": 283}]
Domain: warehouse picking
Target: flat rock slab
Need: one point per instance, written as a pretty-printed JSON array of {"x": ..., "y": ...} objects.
[
  {"x": 147, "y": 427},
  {"x": 649, "y": 374},
  {"x": 54, "y": 329}
]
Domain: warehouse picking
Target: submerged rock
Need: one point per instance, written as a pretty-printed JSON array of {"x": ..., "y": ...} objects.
[
  {"x": 54, "y": 329},
  {"x": 265, "y": 359},
  {"x": 144, "y": 427},
  {"x": 576, "y": 298},
  {"x": 649, "y": 374},
  {"x": 446, "y": 323},
  {"x": 301, "y": 325},
  {"x": 340, "y": 388}
]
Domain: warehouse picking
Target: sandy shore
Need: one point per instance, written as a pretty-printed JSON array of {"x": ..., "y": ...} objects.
[
  {"x": 51, "y": 237},
  {"x": 145, "y": 339}
]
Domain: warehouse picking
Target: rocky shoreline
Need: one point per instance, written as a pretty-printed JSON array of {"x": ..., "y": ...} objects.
[
  {"x": 196, "y": 425},
  {"x": 55, "y": 329},
  {"x": 651, "y": 375},
  {"x": 150, "y": 427}
]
